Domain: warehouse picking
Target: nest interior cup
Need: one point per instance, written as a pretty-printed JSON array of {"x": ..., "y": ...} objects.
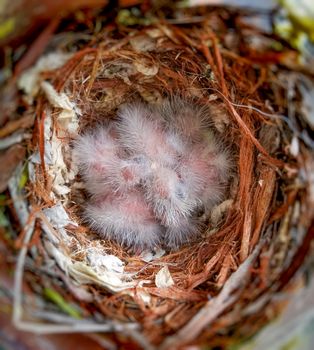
[
  {"x": 153, "y": 173},
  {"x": 166, "y": 291}
]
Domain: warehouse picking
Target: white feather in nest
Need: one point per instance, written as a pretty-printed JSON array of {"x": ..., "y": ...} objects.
[{"x": 150, "y": 172}]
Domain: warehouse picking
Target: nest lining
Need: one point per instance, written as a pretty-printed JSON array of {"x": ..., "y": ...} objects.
[{"x": 163, "y": 292}]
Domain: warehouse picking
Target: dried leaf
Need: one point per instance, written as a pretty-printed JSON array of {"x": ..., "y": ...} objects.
[
  {"x": 101, "y": 262},
  {"x": 146, "y": 67},
  {"x": 30, "y": 79},
  {"x": 84, "y": 274},
  {"x": 58, "y": 217},
  {"x": 148, "y": 255},
  {"x": 67, "y": 122},
  {"x": 59, "y": 100},
  {"x": 146, "y": 297},
  {"x": 142, "y": 43},
  {"x": 163, "y": 278},
  {"x": 55, "y": 165}
]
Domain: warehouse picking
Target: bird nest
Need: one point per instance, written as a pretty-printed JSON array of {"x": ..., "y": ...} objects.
[{"x": 215, "y": 288}]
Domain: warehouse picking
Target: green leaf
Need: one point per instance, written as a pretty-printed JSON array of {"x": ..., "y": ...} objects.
[
  {"x": 7, "y": 27},
  {"x": 57, "y": 299},
  {"x": 4, "y": 222},
  {"x": 3, "y": 199},
  {"x": 24, "y": 177}
]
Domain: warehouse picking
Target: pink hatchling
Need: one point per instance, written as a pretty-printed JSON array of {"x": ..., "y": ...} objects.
[
  {"x": 125, "y": 218},
  {"x": 152, "y": 174}
]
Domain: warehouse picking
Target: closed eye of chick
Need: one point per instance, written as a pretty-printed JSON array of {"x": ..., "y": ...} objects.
[{"x": 149, "y": 171}]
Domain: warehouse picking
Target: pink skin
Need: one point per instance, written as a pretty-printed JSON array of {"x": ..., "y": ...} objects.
[{"x": 125, "y": 218}]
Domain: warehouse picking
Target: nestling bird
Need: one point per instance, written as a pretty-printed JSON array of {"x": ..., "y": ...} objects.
[
  {"x": 95, "y": 153},
  {"x": 189, "y": 119},
  {"x": 150, "y": 172},
  {"x": 142, "y": 133},
  {"x": 187, "y": 230},
  {"x": 125, "y": 218},
  {"x": 169, "y": 196}
]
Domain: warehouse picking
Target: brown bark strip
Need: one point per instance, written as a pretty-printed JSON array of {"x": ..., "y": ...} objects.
[
  {"x": 263, "y": 197},
  {"x": 246, "y": 235},
  {"x": 21, "y": 123},
  {"x": 41, "y": 143},
  {"x": 37, "y": 47},
  {"x": 178, "y": 294}
]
